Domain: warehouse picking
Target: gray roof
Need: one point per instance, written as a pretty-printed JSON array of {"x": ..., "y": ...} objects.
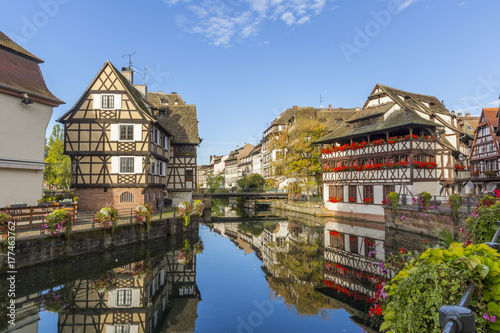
[
  {"x": 400, "y": 118},
  {"x": 180, "y": 120}
]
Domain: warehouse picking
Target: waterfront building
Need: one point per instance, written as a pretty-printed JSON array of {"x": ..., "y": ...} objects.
[
  {"x": 245, "y": 164},
  {"x": 126, "y": 150},
  {"x": 26, "y": 106},
  {"x": 218, "y": 163},
  {"x": 399, "y": 142},
  {"x": 232, "y": 171},
  {"x": 257, "y": 159},
  {"x": 331, "y": 117},
  {"x": 485, "y": 153},
  {"x": 201, "y": 175},
  {"x": 181, "y": 120}
]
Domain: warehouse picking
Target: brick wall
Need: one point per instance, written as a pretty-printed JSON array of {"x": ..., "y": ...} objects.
[{"x": 93, "y": 199}]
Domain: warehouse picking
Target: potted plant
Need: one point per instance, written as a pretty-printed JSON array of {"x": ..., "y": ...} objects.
[
  {"x": 75, "y": 199},
  {"x": 58, "y": 223},
  {"x": 490, "y": 173},
  {"x": 18, "y": 204}
]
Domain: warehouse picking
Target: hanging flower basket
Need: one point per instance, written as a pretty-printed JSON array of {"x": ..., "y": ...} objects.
[
  {"x": 107, "y": 218},
  {"x": 58, "y": 223},
  {"x": 105, "y": 282},
  {"x": 141, "y": 269},
  {"x": 198, "y": 207},
  {"x": 184, "y": 209},
  {"x": 142, "y": 215},
  {"x": 56, "y": 300},
  {"x": 198, "y": 247}
]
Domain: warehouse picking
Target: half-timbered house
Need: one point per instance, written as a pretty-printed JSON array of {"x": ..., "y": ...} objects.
[
  {"x": 119, "y": 150},
  {"x": 485, "y": 153},
  {"x": 400, "y": 141},
  {"x": 181, "y": 120}
]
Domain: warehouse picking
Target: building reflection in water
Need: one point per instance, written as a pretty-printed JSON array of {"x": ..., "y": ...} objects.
[{"x": 153, "y": 295}]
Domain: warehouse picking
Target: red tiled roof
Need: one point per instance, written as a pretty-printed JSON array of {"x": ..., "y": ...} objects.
[
  {"x": 21, "y": 73},
  {"x": 491, "y": 115}
]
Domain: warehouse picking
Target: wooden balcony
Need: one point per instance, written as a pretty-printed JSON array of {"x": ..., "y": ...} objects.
[
  {"x": 156, "y": 180},
  {"x": 159, "y": 151},
  {"x": 485, "y": 176},
  {"x": 426, "y": 145}
]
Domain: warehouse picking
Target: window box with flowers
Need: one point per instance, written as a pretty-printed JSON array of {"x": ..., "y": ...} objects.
[
  {"x": 459, "y": 167},
  {"x": 490, "y": 173},
  {"x": 368, "y": 201},
  {"x": 335, "y": 199},
  {"x": 425, "y": 165},
  {"x": 352, "y": 199},
  {"x": 474, "y": 173}
]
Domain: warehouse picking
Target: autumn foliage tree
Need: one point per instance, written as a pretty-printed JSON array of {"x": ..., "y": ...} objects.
[{"x": 297, "y": 156}]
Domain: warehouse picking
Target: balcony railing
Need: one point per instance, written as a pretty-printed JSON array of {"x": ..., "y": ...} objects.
[
  {"x": 484, "y": 175},
  {"x": 383, "y": 148},
  {"x": 400, "y": 174}
]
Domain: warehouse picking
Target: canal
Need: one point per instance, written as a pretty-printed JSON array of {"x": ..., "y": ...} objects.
[{"x": 274, "y": 274}]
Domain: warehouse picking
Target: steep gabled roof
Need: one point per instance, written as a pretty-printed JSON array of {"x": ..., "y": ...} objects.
[
  {"x": 180, "y": 120},
  {"x": 134, "y": 93},
  {"x": 20, "y": 71},
  {"x": 399, "y": 118}
]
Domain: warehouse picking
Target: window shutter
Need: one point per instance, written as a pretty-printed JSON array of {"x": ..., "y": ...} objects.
[
  {"x": 115, "y": 132},
  {"x": 164, "y": 168},
  {"x": 137, "y": 132},
  {"x": 162, "y": 277},
  {"x": 138, "y": 164},
  {"x": 97, "y": 101},
  {"x": 118, "y": 101},
  {"x": 115, "y": 164}
]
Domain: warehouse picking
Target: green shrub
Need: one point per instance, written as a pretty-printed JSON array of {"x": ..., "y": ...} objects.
[
  {"x": 483, "y": 222},
  {"x": 439, "y": 277},
  {"x": 394, "y": 201},
  {"x": 455, "y": 202}
]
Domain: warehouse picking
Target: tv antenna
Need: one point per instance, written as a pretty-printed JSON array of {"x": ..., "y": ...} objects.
[
  {"x": 144, "y": 75},
  {"x": 129, "y": 55},
  {"x": 320, "y": 101}
]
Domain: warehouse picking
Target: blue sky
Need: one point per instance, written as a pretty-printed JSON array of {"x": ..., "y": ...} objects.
[{"x": 243, "y": 62}]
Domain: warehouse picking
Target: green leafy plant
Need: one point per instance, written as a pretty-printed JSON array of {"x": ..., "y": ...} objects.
[
  {"x": 455, "y": 202},
  {"x": 482, "y": 222},
  {"x": 184, "y": 209},
  {"x": 198, "y": 207},
  {"x": 439, "y": 277},
  {"x": 4, "y": 229},
  {"x": 394, "y": 201}
]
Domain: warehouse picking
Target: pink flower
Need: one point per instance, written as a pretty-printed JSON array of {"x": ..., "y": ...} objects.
[{"x": 403, "y": 218}]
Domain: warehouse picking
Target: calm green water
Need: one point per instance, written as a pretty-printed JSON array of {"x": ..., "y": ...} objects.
[{"x": 266, "y": 276}]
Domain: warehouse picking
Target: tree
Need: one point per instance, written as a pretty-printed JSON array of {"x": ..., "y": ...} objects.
[
  {"x": 252, "y": 182},
  {"x": 58, "y": 166},
  {"x": 297, "y": 156},
  {"x": 215, "y": 183}
]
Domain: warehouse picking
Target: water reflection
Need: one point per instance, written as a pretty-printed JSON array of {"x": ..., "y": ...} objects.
[
  {"x": 316, "y": 265},
  {"x": 157, "y": 293}
]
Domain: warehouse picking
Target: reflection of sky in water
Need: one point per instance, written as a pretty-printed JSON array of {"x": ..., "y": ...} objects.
[
  {"x": 230, "y": 284},
  {"x": 48, "y": 322}
]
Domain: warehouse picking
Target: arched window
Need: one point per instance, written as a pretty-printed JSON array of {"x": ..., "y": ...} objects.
[{"x": 126, "y": 197}]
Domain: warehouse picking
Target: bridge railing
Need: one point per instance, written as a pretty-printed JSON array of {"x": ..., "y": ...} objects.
[{"x": 459, "y": 318}]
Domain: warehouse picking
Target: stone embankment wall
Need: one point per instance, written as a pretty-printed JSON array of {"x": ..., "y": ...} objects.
[
  {"x": 428, "y": 222},
  {"x": 33, "y": 251}
]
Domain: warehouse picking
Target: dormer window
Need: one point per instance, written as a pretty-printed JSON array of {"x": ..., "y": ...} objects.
[{"x": 164, "y": 101}]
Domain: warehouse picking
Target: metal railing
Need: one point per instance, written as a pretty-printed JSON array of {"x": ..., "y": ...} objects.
[
  {"x": 440, "y": 202},
  {"x": 459, "y": 318}
]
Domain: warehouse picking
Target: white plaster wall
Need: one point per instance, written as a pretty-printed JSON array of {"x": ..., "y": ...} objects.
[
  {"x": 20, "y": 185},
  {"x": 22, "y": 129},
  {"x": 22, "y": 137}
]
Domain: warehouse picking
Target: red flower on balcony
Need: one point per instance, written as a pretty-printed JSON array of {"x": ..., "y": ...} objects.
[
  {"x": 425, "y": 165},
  {"x": 352, "y": 199},
  {"x": 384, "y": 202},
  {"x": 459, "y": 167},
  {"x": 367, "y": 201},
  {"x": 378, "y": 142},
  {"x": 335, "y": 199}
]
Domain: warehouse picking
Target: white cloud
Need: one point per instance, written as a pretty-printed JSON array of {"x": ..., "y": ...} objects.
[
  {"x": 403, "y": 4},
  {"x": 223, "y": 21},
  {"x": 461, "y": 4},
  {"x": 495, "y": 103}
]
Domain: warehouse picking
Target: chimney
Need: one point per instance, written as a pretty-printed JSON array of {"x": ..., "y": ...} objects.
[
  {"x": 129, "y": 74},
  {"x": 460, "y": 114},
  {"x": 452, "y": 113},
  {"x": 143, "y": 89},
  {"x": 467, "y": 114},
  {"x": 295, "y": 107},
  {"x": 358, "y": 108},
  {"x": 160, "y": 92},
  {"x": 341, "y": 109},
  {"x": 330, "y": 107}
]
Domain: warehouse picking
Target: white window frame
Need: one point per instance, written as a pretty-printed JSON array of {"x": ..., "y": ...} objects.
[
  {"x": 120, "y": 133},
  {"x": 102, "y": 102},
  {"x": 124, "y": 291},
  {"x": 120, "y": 165}
]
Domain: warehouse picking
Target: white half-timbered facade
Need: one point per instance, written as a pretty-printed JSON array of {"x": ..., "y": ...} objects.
[
  {"x": 399, "y": 142},
  {"x": 485, "y": 153}
]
